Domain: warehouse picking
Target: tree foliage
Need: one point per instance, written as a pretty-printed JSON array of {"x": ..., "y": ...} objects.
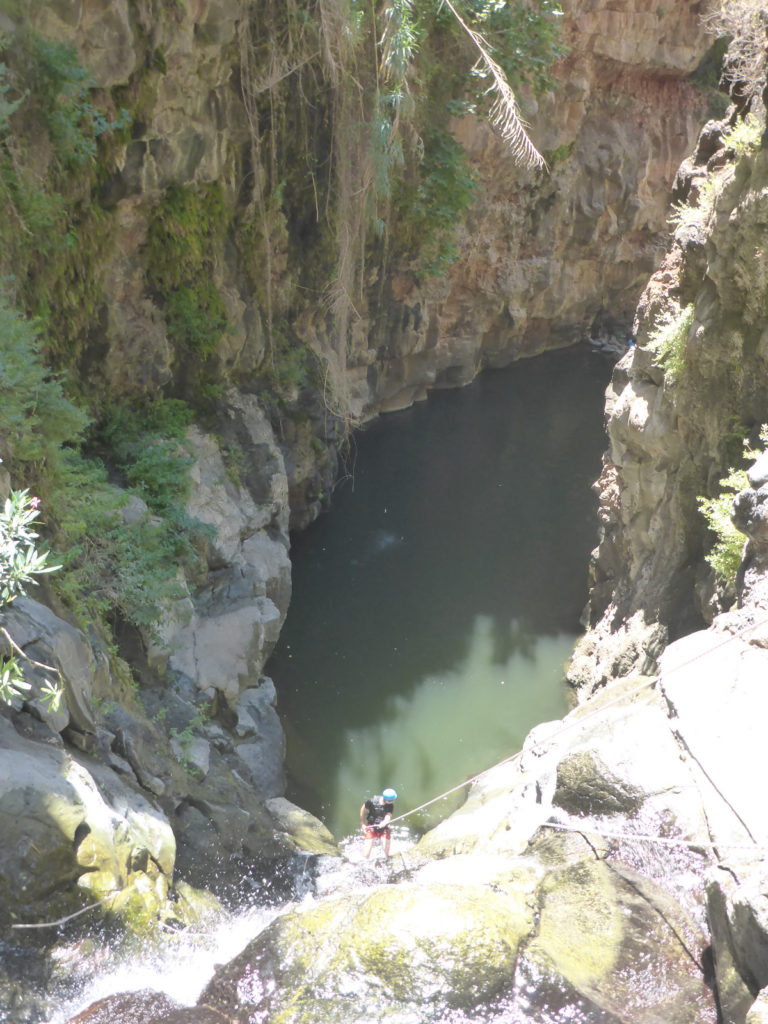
[{"x": 20, "y": 562}]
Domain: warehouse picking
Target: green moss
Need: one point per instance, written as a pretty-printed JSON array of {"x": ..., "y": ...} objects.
[
  {"x": 185, "y": 228},
  {"x": 52, "y": 141},
  {"x": 580, "y": 925},
  {"x": 185, "y": 234},
  {"x": 442, "y": 945}
]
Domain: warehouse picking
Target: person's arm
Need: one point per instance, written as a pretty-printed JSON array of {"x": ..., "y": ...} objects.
[{"x": 362, "y": 816}]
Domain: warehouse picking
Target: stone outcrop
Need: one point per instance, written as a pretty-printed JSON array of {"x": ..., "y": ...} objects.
[
  {"x": 68, "y": 819},
  {"x": 673, "y": 435},
  {"x": 207, "y": 779}
]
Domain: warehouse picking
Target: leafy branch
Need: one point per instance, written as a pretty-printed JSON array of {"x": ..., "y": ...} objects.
[{"x": 20, "y": 562}]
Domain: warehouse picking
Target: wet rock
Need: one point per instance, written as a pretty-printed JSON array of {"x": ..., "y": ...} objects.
[
  {"x": 758, "y": 1011},
  {"x": 75, "y": 833},
  {"x": 144, "y": 1007},
  {"x": 307, "y": 832},
  {"x": 585, "y": 786},
  {"x": 367, "y": 956},
  {"x": 735, "y": 983},
  {"x": 590, "y": 939},
  {"x": 622, "y": 943}
]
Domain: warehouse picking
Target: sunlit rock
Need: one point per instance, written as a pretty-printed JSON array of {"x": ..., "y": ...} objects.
[
  {"x": 758, "y": 1011},
  {"x": 366, "y": 956},
  {"x": 303, "y": 829},
  {"x": 144, "y": 1007},
  {"x": 72, "y": 828}
]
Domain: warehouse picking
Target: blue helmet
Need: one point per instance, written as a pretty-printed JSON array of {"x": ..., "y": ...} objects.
[{"x": 389, "y": 795}]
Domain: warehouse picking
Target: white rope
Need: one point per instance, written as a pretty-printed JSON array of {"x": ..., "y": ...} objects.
[
  {"x": 69, "y": 917},
  {"x": 661, "y": 840}
]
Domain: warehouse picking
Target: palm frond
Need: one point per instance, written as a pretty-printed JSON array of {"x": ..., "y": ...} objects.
[{"x": 504, "y": 114}]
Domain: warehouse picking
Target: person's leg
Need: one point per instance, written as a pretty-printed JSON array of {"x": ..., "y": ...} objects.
[
  {"x": 368, "y": 844},
  {"x": 386, "y": 843}
]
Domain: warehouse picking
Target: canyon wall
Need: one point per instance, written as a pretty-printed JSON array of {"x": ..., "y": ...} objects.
[{"x": 545, "y": 258}]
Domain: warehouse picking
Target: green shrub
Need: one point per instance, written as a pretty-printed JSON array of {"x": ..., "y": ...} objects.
[
  {"x": 20, "y": 562},
  {"x": 431, "y": 207},
  {"x": 667, "y": 341},
  {"x": 185, "y": 230},
  {"x": 117, "y": 568},
  {"x": 697, "y": 213},
  {"x": 744, "y": 137},
  {"x": 197, "y": 317},
  {"x": 725, "y": 554},
  {"x": 36, "y": 417}
]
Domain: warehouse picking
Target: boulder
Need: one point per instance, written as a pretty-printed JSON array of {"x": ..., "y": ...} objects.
[
  {"x": 307, "y": 832},
  {"x": 580, "y": 943},
  {"x": 713, "y": 682},
  {"x": 50, "y": 641},
  {"x": 376, "y": 955},
  {"x": 75, "y": 833},
  {"x": 622, "y": 943}
]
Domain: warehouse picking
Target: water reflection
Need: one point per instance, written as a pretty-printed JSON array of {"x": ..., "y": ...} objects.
[
  {"x": 452, "y": 725},
  {"x": 472, "y": 507}
]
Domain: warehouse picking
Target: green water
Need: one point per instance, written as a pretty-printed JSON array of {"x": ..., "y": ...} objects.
[{"x": 435, "y": 605}]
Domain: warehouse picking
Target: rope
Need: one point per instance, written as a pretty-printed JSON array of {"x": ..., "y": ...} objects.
[
  {"x": 578, "y": 721},
  {"x": 645, "y": 837},
  {"x": 69, "y": 917}
]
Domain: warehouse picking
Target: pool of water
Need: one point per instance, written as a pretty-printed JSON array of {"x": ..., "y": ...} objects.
[{"x": 435, "y": 605}]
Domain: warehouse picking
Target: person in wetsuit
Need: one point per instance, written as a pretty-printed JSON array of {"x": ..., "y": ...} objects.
[{"x": 375, "y": 815}]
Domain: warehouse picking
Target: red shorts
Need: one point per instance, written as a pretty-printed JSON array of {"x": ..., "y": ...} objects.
[{"x": 376, "y": 831}]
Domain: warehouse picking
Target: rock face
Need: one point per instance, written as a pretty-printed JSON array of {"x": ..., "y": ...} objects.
[
  {"x": 673, "y": 434},
  {"x": 66, "y": 819},
  {"x": 549, "y": 258},
  {"x": 205, "y": 780},
  {"x": 544, "y": 257}
]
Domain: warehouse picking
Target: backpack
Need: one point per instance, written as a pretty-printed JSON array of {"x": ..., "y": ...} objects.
[{"x": 374, "y": 810}]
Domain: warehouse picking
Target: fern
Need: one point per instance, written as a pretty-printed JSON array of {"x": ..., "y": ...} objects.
[
  {"x": 725, "y": 554},
  {"x": 667, "y": 341}
]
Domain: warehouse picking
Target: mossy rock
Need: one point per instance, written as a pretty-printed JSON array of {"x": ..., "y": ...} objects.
[
  {"x": 303, "y": 830},
  {"x": 585, "y": 786},
  {"x": 374, "y": 955},
  {"x": 622, "y": 943}
]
